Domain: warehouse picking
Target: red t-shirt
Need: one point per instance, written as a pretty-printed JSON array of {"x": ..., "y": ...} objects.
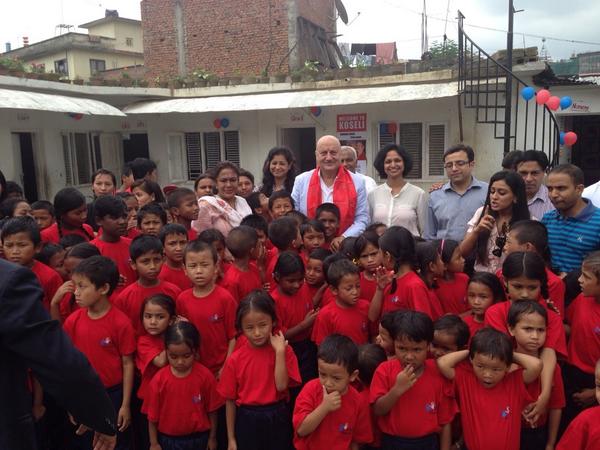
[
  {"x": 49, "y": 279},
  {"x": 473, "y": 325},
  {"x": 148, "y": 348},
  {"x": 192, "y": 234},
  {"x": 339, "y": 429},
  {"x": 51, "y": 234},
  {"x": 435, "y": 305},
  {"x": 131, "y": 300},
  {"x": 411, "y": 293},
  {"x": 350, "y": 321},
  {"x": 557, "y": 396},
  {"x": 365, "y": 393},
  {"x": 423, "y": 409},
  {"x": 132, "y": 233},
  {"x": 272, "y": 258},
  {"x": 180, "y": 406},
  {"x": 292, "y": 310},
  {"x": 119, "y": 253},
  {"x": 583, "y": 314},
  {"x": 214, "y": 317},
  {"x": 240, "y": 283},
  {"x": 491, "y": 418},
  {"x": 583, "y": 433},
  {"x": 104, "y": 341},
  {"x": 248, "y": 376},
  {"x": 67, "y": 306},
  {"x": 496, "y": 316},
  {"x": 175, "y": 276},
  {"x": 367, "y": 287},
  {"x": 453, "y": 294}
]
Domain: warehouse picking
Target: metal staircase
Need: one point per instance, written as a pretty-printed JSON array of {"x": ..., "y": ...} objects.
[{"x": 492, "y": 90}]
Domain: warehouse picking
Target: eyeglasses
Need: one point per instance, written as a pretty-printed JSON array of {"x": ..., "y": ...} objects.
[{"x": 458, "y": 164}]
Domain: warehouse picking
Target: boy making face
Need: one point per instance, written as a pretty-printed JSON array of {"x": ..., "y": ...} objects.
[
  {"x": 280, "y": 203},
  {"x": 183, "y": 206},
  {"x": 329, "y": 215}
]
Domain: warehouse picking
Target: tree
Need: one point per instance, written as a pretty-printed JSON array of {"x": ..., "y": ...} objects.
[{"x": 444, "y": 51}]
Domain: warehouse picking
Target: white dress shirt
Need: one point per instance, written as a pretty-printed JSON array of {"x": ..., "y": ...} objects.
[{"x": 408, "y": 208}]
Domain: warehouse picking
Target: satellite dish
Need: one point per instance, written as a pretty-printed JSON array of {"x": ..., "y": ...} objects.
[{"x": 341, "y": 9}]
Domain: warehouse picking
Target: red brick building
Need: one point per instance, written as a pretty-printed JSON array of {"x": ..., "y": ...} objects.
[{"x": 237, "y": 37}]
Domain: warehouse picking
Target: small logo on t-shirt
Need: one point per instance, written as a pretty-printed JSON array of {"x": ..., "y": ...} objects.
[
  {"x": 597, "y": 329},
  {"x": 344, "y": 427},
  {"x": 505, "y": 413},
  {"x": 196, "y": 399},
  {"x": 430, "y": 407},
  {"x": 105, "y": 341},
  {"x": 579, "y": 238},
  {"x": 215, "y": 318},
  {"x": 395, "y": 299},
  {"x": 364, "y": 327}
]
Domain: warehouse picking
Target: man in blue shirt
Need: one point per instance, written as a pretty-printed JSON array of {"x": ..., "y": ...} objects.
[
  {"x": 574, "y": 226},
  {"x": 455, "y": 203}
]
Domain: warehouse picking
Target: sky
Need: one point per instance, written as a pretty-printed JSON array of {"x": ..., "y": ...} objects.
[{"x": 370, "y": 21}]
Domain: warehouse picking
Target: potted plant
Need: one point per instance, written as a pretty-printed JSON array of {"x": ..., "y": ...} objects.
[{"x": 178, "y": 82}]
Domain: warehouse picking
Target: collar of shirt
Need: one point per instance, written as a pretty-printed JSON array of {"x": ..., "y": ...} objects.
[
  {"x": 584, "y": 215},
  {"x": 475, "y": 184},
  {"x": 541, "y": 195},
  {"x": 389, "y": 188}
]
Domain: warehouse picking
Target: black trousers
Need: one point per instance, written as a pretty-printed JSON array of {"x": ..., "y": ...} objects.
[
  {"x": 534, "y": 438},
  {"x": 196, "y": 441},
  {"x": 429, "y": 442},
  {"x": 264, "y": 427}
]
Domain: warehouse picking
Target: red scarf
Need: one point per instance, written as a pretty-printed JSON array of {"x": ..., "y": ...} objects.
[{"x": 344, "y": 196}]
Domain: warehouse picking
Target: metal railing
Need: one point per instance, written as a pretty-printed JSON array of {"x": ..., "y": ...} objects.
[{"x": 493, "y": 91}]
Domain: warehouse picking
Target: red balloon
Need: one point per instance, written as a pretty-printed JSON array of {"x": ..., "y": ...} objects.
[
  {"x": 542, "y": 96},
  {"x": 553, "y": 103},
  {"x": 217, "y": 123},
  {"x": 570, "y": 138}
]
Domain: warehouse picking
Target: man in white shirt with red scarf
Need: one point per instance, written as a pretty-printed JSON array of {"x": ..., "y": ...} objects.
[{"x": 330, "y": 182}]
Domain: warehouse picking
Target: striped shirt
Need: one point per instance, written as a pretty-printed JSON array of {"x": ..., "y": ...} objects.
[{"x": 572, "y": 238}]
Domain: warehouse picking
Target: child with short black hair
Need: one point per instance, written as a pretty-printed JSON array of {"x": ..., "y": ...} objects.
[
  {"x": 132, "y": 209},
  {"x": 20, "y": 242},
  {"x": 183, "y": 206},
  {"x": 146, "y": 253},
  {"x": 527, "y": 323},
  {"x": 280, "y": 203},
  {"x": 451, "y": 288},
  {"x": 484, "y": 290},
  {"x": 43, "y": 213},
  {"x": 313, "y": 237},
  {"x": 298, "y": 216},
  {"x": 260, "y": 225},
  {"x": 314, "y": 276},
  {"x": 329, "y": 412},
  {"x": 71, "y": 214},
  {"x": 329, "y": 215},
  {"x": 257, "y": 416},
  {"x": 348, "y": 314},
  {"x": 284, "y": 234},
  {"x": 111, "y": 216},
  {"x": 431, "y": 268},
  {"x": 243, "y": 277},
  {"x": 491, "y": 396},
  {"x": 174, "y": 238},
  {"x": 367, "y": 253},
  {"x": 450, "y": 334},
  {"x": 105, "y": 335},
  {"x": 377, "y": 227},
  {"x": 386, "y": 332},
  {"x": 209, "y": 307},
  {"x": 183, "y": 400},
  {"x": 53, "y": 255},
  {"x": 151, "y": 218},
  {"x": 215, "y": 238},
  {"x": 370, "y": 357},
  {"x": 411, "y": 398}
]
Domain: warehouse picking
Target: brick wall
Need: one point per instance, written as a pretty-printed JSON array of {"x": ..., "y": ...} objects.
[
  {"x": 158, "y": 24},
  {"x": 319, "y": 12}
]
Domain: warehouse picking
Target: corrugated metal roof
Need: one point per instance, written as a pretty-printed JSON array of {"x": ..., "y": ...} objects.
[
  {"x": 297, "y": 99},
  {"x": 12, "y": 99}
]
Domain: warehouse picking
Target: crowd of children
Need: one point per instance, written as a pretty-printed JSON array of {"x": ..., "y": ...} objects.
[{"x": 265, "y": 339}]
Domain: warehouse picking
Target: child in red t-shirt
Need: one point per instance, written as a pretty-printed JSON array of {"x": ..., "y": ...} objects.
[
  {"x": 431, "y": 268},
  {"x": 256, "y": 378},
  {"x": 527, "y": 323},
  {"x": 158, "y": 313},
  {"x": 450, "y": 334},
  {"x": 295, "y": 312},
  {"x": 104, "y": 335},
  {"x": 329, "y": 215},
  {"x": 370, "y": 357},
  {"x": 413, "y": 401},
  {"x": 43, "y": 213},
  {"x": 215, "y": 238},
  {"x": 53, "y": 255},
  {"x": 284, "y": 234},
  {"x": 366, "y": 251},
  {"x": 132, "y": 210},
  {"x": 20, "y": 241},
  {"x": 208, "y": 306},
  {"x": 491, "y": 396},
  {"x": 584, "y": 433},
  {"x": 111, "y": 216},
  {"x": 182, "y": 399},
  {"x": 243, "y": 277},
  {"x": 313, "y": 238},
  {"x": 280, "y": 203},
  {"x": 451, "y": 288},
  {"x": 151, "y": 218},
  {"x": 583, "y": 318},
  {"x": 484, "y": 290},
  {"x": 348, "y": 314},
  {"x": 387, "y": 331},
  {"x": 147, "y": 257},
  {"x": 71, "y": 214},
  {"x": 329, "y": 412},
  {"x": 174, "y": 238},
  {"x": 183, "y": 206}
]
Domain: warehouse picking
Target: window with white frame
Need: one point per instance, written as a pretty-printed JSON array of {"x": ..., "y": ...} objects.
[
  {"x": 82, "y": 156},
  {"x": 424, "y": 142},
  {"x": 191, "y": 154}
]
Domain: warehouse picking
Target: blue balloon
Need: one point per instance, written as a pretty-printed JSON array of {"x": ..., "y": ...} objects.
[
  {"x": 527, "y": 93},
  {"x": 225, "y": 122},
  {"x": 562, "y": 138},
  {"x": 565, "y": 102}
]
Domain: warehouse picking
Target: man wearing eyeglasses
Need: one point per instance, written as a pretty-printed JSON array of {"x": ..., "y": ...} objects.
[
  {"x": 532, "y": 165},
  {"x": 453, "y": 205}
]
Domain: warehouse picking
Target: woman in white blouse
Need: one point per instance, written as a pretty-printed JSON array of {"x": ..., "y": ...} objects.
[{"x": 397, "y": 202}]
